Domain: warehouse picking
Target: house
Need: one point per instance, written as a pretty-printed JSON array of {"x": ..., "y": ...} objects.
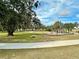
[{"x": 76, "y": 29}]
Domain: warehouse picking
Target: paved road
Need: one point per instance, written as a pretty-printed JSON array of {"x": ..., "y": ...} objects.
[{"x": 38, "y": 44}]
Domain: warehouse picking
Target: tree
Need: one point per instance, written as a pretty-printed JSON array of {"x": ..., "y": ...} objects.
[
  {"x": 69, "y": 26},
  {"x": 76, "y": 25},
  {"x": 37, "y": 4},
  {"x": 36, "y": 24},
  {"x": 57, "y": 26},
  {"x": 14, "y": 12},
  {"x": 1, "y": 29},
  {"x": 49, "y": 28}
]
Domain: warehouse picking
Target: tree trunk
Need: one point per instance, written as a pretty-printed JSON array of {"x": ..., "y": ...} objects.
[{"x": 10, "y": 33}]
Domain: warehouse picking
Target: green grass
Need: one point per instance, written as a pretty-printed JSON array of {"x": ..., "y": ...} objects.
[
  {"x": 34, "y": 37},
  {"x": 68, "y": 52},
  {"x": 23, "y": 37}
]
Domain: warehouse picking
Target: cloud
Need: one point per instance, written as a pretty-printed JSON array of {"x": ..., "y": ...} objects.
[
  {"x": 63, "y": 10},
  {"x": 51, "y": 8},
  {"x": 75, "y": 5}
]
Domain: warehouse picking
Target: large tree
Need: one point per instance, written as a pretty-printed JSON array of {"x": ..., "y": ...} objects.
[
  {"x": 36, "y": 24},
  {"x": 57, "y": 26},
  {"x": 14, "y": 13},
  {"x": 69, "y": 26}
]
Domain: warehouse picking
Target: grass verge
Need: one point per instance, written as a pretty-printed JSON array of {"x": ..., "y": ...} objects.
[
  {"x": 68, "y": 52},
  {"x": 35, "y": 37}
]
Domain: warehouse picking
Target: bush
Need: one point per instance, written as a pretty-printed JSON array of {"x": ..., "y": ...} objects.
[{"x": 49, "y": 29}]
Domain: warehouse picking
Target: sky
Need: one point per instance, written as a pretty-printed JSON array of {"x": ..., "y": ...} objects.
[{"x": 50, "y": 11}]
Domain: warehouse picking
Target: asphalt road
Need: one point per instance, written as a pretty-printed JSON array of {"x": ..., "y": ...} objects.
[{"x": 38, "y": 44}]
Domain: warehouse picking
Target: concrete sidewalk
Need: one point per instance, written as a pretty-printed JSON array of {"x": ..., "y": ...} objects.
[{"x": 38, "y": 44}]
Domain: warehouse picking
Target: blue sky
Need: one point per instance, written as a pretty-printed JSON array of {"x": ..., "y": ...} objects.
[{"x": 50, "y": 11}]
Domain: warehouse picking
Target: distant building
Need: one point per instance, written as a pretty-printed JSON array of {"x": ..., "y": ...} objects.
[{"x": 76, "y": 29}]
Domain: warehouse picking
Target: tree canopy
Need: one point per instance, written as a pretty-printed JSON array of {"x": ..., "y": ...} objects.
[
  {"x": 69, "y": 26},
  {"x": 15, "y": 13},
  {"x": 57, "y": 25}
]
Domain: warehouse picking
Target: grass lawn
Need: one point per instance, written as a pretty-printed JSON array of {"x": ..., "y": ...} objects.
[
  {"x": 68, "y": 52},
  {"x": 34, "y": 37}
]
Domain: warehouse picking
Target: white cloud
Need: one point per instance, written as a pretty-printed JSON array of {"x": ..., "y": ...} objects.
[
  {"x": 56, "y": 8},
  {"x": 75, "y": 6},
  {"x": 52, "y": 9},
  {"x": 64, "y": 12}
]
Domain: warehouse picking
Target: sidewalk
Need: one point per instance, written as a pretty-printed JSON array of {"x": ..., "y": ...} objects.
[{"x": 38, "y": 44}]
